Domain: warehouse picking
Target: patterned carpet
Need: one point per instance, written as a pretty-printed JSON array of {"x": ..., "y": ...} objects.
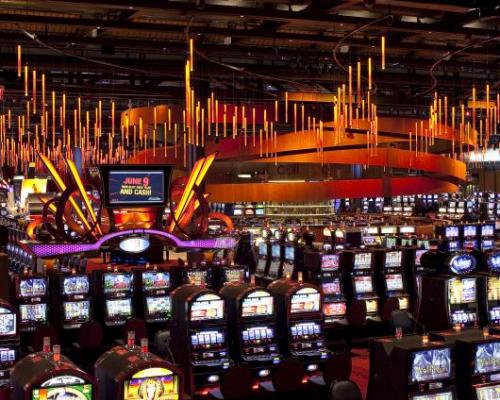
[{"x": 360, "y": 369}]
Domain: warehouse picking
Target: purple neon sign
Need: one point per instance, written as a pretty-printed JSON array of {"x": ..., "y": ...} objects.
[{"x": 58, "y": 249}]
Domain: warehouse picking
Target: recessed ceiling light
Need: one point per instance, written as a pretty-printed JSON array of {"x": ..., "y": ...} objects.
[
  {"x": 242, "y": 16},
  {"x": 244, "y": 176}
]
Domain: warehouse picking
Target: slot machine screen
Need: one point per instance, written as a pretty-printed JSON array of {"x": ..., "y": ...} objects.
[
  {"x": 7, "y": 355},
  {"x": 261, "y": 267},
  {"x": 434, "y": 396},
  {"x": 390, "y": 242},
  {"x": 158, "y": 305},
  {"x": 363, "y": 284},
  {"x": 33, "y": 312},
  {"x": 237, "y": 212},
  {"x": 289, "y": 253},
  {"x": 493, "y": 288},
  {"x": 197, "y": 277},
  {"x": 257, "y": 303},
  {"x": 307, "y": 329},
  {"x": 488, "y": 392},
  {"x": 32, "y": 287},
  {"x": 208, "y": 338},
  {"x": 76, "y": 285},
  {"x": 487, "y": 358},
  {"x": 371, "y": 306},
  {"x": 334, "y": 309},
  {"x": 394, "y": 282},
  {"x": 119, "y": 308},
  {"x": 73, "y": 392},
  {"x": 451, "y": 231},
  {"x": 257, "y": 333},
  {"x": 8, "y": 321},
  {"x": 388, "y": 230},
  {"x": 234, "y": 274},
  {"x": 274, "y": 269},
  {"x": 275, "y": 251},
  {"x": 332, "y": 288},
  {"x": 207, "y": 307},
  {"x": 153, "y": 383},
  {"x": 259, "y": 211},
  {"x": 487, "y": 230},
  {"x": 462, "y": 290},
  {"x": 362, "y": 261},
  {"x": 330, "y": 262},
  {"x": 407, "y": 228},
  {"x": 403, "y": 303},
  {"x": 470, "y": 230},
  {"x": 263, "y": 249},
  {"x": 118, "y": 282},
  {"x": 288, "y": 269},
  {"x": 393, "y": 259},
  {"x": 76, "y": 310},
  {"x": 156, "y": 280},
  {"x": 418, "y": 256},
  {"x": 372, "y": 230},
  {"x": 305, "y": 300},
  {"x": 430, "y": 365}
]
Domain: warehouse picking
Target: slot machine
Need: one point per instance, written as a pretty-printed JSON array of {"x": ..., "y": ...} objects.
[
  {"x": 32, "y": 301},
  {"x": 133, "y": 373},
  {"x": 199, "y": 339},
  {"x": 9, "y": 340},
  {"x": 359, "y": 279},
  {"x": 487, "y": 236},
  {"x": 251, "y": 321},
  {"x": 452, "y": 238},
  {"x": 293, "y": 256},
  {"x": 116, "y": 290},
  {"x": 407, "y": 236},
  {"x": 277, "y": 257},
  {"x": 389, "y": 233},
  {"x": 50, "y": 376},
  {"x": 451, "y": 297},
  {"x": 328, "y": 241},
  {"x": 410, "y": 369},
  {"x": 469, "y": 236},
  {"x": 413, "y": 269},
  {"x": 75, "y": 301},
  {"x": 198, "y": 274},
  {"x": 491, "y": 306},
  {"x": 224, "y": 274},
  {"x": 391, "y": 281},
  {"x": 371, "y": 236},
  {"x": 156, "y": 285},
  {"x": 300, "y": 322},
  {"x": 263, "y": 255}
]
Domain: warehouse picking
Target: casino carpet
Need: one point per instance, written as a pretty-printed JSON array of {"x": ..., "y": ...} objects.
[{"x": 360, "y": 369}]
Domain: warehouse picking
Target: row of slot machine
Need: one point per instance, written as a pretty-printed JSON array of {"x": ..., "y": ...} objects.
[
  {"x": 111, "y": 296},
  {"x": 467, "y": 236}
]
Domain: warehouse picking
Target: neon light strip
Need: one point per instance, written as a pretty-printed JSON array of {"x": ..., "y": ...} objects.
[{"x": 58, "y": 249}]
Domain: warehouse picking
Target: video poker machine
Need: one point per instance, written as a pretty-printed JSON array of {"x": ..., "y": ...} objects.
[
  {"x": 451, "y": 296},
  {"x": 300, "y": 322},
  {"x": 451, "y": 236},
  {"x": 410, "y": 369},
  {"x": 251, "y": 320},
  {"x": 487, "y": 236},
  {"x": 470, "y": 236},
  {"x": 50, "y": 376},
  {"x": 263, "y": 254},
  {"x": 275, "y": 269},
  {"x": 115, "y": 290},
  {"x": 155, "y": 287},
  {"x": 224, "y": 273},
  {"x": 9, "y": 340},
  {"x": 32, "y": 301},
  {"x": 132, "y": 373},
  {"x": 390, "y": 275},
  {"x": 199, "y": 339}
]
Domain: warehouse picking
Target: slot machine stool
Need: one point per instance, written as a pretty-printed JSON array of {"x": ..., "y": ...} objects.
[
  {"x": 288, "y": 379},
  {"x": 338, "y": 367},
  {"x": 236, "y": 384}
]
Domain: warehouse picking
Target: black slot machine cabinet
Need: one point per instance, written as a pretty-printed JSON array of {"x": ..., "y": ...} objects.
[
  {"x": 73, "y": 299},
  {"x": 9, "y": 340},
  {"x": 199, "y": 336},
  {"x": 487, "y": 235},
  {"x": 390, "y": 276},
  {"x": 155, "y": 287},
  {"x": 451, "y": 296},
  {"x": 300, "y": 322},
  {"x": 251, "y": 321},
  {"x": 359, "y": 280},
  {"x": 410, "y": 369},
  {"x": 470, "y": 236},
  {"x": 50, "y": 376},
  {"x": 115, "y": 291},
  {"x": 263, "y": 254},
  {"x": 32, "y": 301},
  {"x": 224, "y": 273},
  {"x": 277, "y": 257},
  {"x": 132, "y": 373},
  {"x": 491, "y": 291}
]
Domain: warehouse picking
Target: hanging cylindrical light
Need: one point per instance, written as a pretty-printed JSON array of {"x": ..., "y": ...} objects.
[{"x": 382, "y": 46}]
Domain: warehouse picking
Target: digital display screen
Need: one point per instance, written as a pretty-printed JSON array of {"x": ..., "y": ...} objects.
[
  {"x": 394, "y": 282},
  {"x": 332, "y": 288},
  {"x": 329, "y": 262},
  {"x": 289, "y": 253},
  {"x": 389, "y": 230},
  {"x": 393, "y": 259},
  {"x": 259, "y": 211},
  {"x": 434, "y": 396},
  {"x": 7, "y": 355},
  {"x": 136, "y": 187},
  {"x": 213, "y": 338},
  {"x": 275, "y": 251},
  {"x": 257, "y": 333},
  {"x": 207, "y": 307},
  {"x": 390, "y": 242},
  {"x": 257, "y": 303},
  {"x": 234, "y": 274},
  {"x": 118, "y": 282},
  {"x": 463, "y": 317},
  {"x": 363, "y": 284},
  {"x": 75, "y": 285},
  {"x": 197, "y": 277},
  {"x": 158, "y": 305},
  {"x": 155, "y": 280},
  {"x": 134, "y": 244},
  {"x": 152, "y": 384},
  {"x": 487, "y": 358},
  {"x": 76, "y": 310},
  {"x": 305, "y": 300},
  {"x": 451, "y": 231},
  {"x": 487, "y": 230},
  {"x": 462, "y": 264},
  {"x": 418, "y": 256},
  {"x": 371, "y": 306},
  {"x": 334, "y": 309},
  {"x": 362, "y": 261},
  {"x": 470, "y": 230},
  {"x": 305, "y": 329},
  {"x": 488, "y": 392},
  {"x": 263, "y": 249},
  {"x": 32, "y": 287},
  {"x": 7, "y": 322},
  {"x": 71, "y": 392},
  {"x": 493, "y": 288},
  {"x": 119, "y": 308},
  {"x": 237, "y": 212},
  {"x": 462, "y": 290},
  {"x": 33, "y": 312},
  {"x": 430, "y": 365}
]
